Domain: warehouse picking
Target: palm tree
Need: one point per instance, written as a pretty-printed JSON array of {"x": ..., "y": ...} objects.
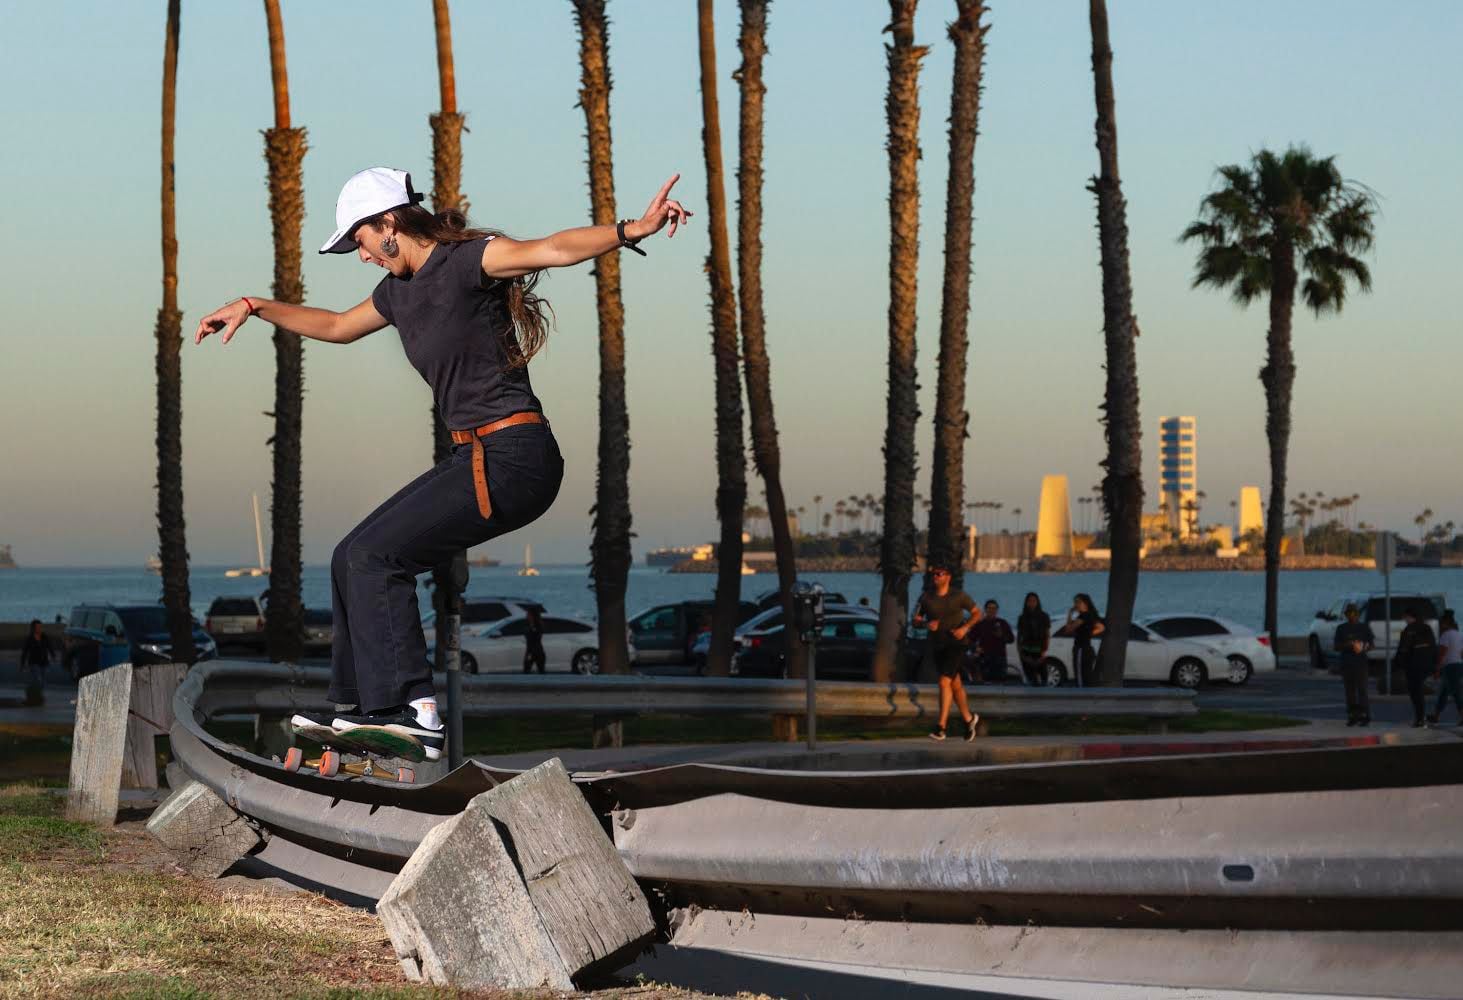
[
  {"x": 447, "y": 126},
  {"x": 172, "y": 536},
  {"x": 817, "y": 508},
  {"x": 284, "y": 150},
  {"x": 610, "y": 546},
  {"x": 1122, "y": 483},
  {"x": 758, "y": 368},
  {"x": 896, "y": 554},
  {"x": 947, "y": 473},
  {"x": 731, "y": 469},
  {"x": 1421, "y": 520},
  {"x": 1251, "y": 232}
]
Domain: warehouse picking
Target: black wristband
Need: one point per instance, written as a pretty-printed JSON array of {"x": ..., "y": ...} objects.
[{"x": 620, "y": 232}]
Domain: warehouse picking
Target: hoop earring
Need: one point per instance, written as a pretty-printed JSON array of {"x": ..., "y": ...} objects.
[{"x": 389, "y": 247}]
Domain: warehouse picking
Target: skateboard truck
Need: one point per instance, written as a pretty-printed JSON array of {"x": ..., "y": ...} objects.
[{"x": 329, "y": 764}]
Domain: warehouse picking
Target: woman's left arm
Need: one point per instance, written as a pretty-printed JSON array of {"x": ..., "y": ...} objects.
[{"x": 509, "y": 258}]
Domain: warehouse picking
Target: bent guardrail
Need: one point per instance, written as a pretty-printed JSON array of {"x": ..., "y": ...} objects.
[{"x": 726, "y": 835}]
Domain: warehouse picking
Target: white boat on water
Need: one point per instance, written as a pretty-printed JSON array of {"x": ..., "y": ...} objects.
[
  {"x": 154, "y": 565},
  {"x": 528, "y": 568},
  {"x": 260, "y": 569}
]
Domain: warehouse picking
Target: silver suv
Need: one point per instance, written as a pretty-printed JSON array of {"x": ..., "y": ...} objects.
[{"x": 236, "y": 620}]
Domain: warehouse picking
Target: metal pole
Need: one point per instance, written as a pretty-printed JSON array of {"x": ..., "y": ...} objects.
[
  {"x": 1387, "y": 631},
  {"x": 813, "y": 691},
  {"x": 457, "y": 583}
]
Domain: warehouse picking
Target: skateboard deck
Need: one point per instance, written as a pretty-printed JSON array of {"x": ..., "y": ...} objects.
[{"x": 366, "y": 742}]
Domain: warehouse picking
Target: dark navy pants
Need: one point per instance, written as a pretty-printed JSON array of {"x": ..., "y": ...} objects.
[{"x": 378, "y": 658}]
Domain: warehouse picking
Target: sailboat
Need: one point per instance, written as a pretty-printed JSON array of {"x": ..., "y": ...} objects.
[
  {"x": 528, "y": 568},
  {"x": 260, "y": 569}
]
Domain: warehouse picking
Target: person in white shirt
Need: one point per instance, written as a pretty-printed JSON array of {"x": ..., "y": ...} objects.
[{"x": 1450, "y": 667}]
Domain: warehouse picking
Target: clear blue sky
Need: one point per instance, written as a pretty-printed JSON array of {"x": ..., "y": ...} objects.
[{"x": 1198, "y": 85}]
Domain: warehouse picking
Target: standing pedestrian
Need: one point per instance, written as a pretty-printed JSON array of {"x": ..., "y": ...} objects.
[
  {"x": 949, "y": 614},
  {"x": 1353, "y": 641},
  {"x": 533, "y": 637},
  {"x": 991, "y": 635},
  {"x": 35, "y": 657},
  {"x": 1449, "y": 670},
  {"x": 463, "y": 302},
  {"x": 1417, "y": 652},
  {"x": 1033, "y": 637},
  {"x": 1085, "y": 624}
]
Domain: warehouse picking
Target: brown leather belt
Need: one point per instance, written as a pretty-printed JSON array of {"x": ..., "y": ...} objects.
[{"x": 475, "y": 437}]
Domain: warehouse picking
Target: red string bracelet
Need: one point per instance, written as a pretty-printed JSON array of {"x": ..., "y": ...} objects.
[{"x": 249, "y": 303}]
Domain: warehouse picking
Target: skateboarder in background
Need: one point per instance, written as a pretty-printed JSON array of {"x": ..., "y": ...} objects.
[
  {"x": 463, "y": 302},
  {"x": 949, "y": 615},
  {"x": 1352, "y": 641}
]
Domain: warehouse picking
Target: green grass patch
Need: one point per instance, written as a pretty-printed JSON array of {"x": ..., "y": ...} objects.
[
  {"x": 35, "y": 754},
  {"x": 31, "y": 826}
]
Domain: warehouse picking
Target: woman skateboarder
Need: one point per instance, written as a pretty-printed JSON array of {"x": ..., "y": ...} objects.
[{"x": 462, "y": 300}]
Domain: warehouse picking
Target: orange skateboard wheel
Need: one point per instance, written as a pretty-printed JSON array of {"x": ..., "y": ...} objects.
[
  {"x": 405, "y": 775},
  {"x": 330, "y": 763},
  {"x": 293, "y": 758}
]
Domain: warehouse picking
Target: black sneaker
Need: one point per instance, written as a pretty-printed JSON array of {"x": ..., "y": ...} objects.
[
  {"x": 971, "y": 726},
  {"x": 938, "y": 733},
  {"x": 398, "y": 720}
]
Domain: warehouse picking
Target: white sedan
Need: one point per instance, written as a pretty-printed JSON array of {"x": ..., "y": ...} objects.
[
  {"x": 1247, "y": 651},
  {"x": 569, "y": 644},
  {"x": 1187, "y": 663}
]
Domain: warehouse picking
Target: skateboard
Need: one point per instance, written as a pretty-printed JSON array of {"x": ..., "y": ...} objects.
[{"x": 365, "y": 742}]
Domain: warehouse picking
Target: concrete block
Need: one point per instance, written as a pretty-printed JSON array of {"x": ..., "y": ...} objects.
[
  {"x": 521, "y": 890},
  {"x": 97, "y": 745},
  {"x": 202, "y": 831}
]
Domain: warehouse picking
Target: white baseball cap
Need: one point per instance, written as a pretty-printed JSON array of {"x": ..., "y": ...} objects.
[{"x": 365, "y": 196}]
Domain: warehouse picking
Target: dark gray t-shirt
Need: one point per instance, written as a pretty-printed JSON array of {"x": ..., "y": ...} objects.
[{"x": 454, "y": 322}]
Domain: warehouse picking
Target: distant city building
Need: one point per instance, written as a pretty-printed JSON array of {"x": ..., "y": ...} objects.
[
  {"x": 1250, "y": 517},
  {"x": 1178, "y": 472},
  {"x": 1054, "y": 518}
]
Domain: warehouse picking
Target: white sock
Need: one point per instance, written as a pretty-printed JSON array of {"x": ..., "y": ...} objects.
[{"x": 426, "y": 709}]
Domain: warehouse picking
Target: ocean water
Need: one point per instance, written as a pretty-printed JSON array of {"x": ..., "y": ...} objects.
[{"x": 46, "y": 593}]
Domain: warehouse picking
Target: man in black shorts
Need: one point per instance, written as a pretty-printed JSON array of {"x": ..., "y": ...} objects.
[{"x": 949, "y": 614}]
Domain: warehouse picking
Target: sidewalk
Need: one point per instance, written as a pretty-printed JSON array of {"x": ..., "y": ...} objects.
[{"x": 922, "y": 752}]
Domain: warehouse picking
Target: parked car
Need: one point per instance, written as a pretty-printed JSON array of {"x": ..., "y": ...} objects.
[
  {"x": 1247, "y": 650},
  {"x": 238, "y": 620},
  {"x": 768, "y": 620},
  {"x": 772, "y": 598},
  {"x": 1321, "y": 640},
  {"x": 480, "y": 613},
  {"x": 319, "y": 630},
  {"x": 1187, "y": 663},
  {"x": 666, "y": 633},
  {"x": 845, "y": 650},
  {"x": 569, "y": 644},
  {"x": 104, "y": 635}
]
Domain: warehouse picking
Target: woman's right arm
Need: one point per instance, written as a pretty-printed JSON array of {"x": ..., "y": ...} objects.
[{"x": 307, "y": 321}]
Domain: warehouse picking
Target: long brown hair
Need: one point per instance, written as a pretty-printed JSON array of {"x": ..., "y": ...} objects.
[{"x": 531, "y": 313}]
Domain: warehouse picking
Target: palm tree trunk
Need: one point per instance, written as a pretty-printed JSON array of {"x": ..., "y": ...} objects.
[
  {"x": 447, "y": 126},
  {"x": 765, "y": 449},
  {"x": 1122, "y": 485},
  {"x": 896, "y": 555},
  {"x": 1278, "y": 377},
  {"x": 172, "y": 536},
  {"x": 284, "y": 151},
  {"x": 947, "y": 476},
  {"x": 610, "y": 547},
  {"x": 731, "y": 469}
]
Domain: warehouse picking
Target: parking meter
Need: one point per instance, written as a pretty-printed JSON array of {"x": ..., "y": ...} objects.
[
  {"x": 807, "y": 611},
  {"x": 451, "y": 636}
]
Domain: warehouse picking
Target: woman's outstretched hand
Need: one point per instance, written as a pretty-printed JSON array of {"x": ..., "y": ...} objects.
[
  {"x": 226, "y": 318},
  {"x": 662, "y": 209}
]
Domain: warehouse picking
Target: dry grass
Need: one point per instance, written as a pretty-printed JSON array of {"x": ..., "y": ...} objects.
[{"x": 90, "y": 914}]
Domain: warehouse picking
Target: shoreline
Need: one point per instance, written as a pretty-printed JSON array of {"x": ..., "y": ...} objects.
[{"x": 1062, "y": 564}]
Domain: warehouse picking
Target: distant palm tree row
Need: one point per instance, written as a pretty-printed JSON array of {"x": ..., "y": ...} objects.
[{"x": 1270, "y": 222}]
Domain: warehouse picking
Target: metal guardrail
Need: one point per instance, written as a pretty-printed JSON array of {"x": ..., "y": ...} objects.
[{"x": 923, "y": 844}]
